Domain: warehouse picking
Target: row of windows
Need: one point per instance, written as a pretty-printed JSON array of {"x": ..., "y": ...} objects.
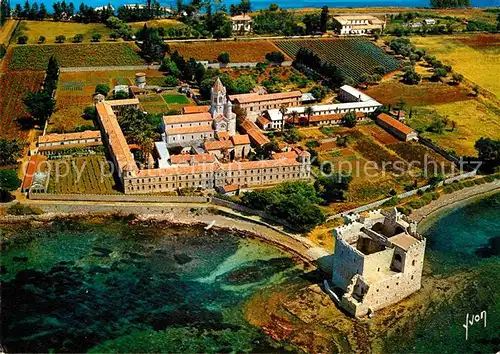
[
  {"x": 169, "y": 186},
  {"x": 206, "y": 176},
  {"x": 72, "y": 142},
  {"x": 193, "y": 137},
  {"x": 265, "y": 170},
  {"x": 272, "y": 106},
  {"x": 264, "y": 178},
  {"x": 182, "y": 125}
]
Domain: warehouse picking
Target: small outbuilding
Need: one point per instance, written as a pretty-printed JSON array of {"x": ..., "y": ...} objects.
[{"x": 396, "y": 128}]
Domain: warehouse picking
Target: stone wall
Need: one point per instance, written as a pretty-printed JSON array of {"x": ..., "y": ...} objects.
[
  {"x": 379, "y": 203},
  {"x": 244, "y": 209},
  {"x": 120, "y": 198},
  {"x": 240, "y": 65}
]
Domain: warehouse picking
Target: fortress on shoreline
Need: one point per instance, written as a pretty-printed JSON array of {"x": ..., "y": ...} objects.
[{"x": 378, "y": 260}]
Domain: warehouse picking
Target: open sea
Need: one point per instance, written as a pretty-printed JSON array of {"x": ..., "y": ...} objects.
[{"x": 287, "y": 4}]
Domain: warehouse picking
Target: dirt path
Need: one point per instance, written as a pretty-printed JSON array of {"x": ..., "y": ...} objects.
[{"x": 447, "y": 201}]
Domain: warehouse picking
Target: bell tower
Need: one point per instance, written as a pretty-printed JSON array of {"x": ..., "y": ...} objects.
[{"x": 218, "y": 98}]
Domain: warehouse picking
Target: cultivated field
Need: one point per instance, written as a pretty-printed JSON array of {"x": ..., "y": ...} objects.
[
  {"x": 425, "y": 93},
  {"x": 252, "y": 51},
  {"x": 353, "y": 56},
  {"x": 51, "y": 29},
  {"x": 477, "y": 56},
  {"x": 75, "y": 91},
  {"x": 13, "y": 88},
  {"x": 7, "y": 30},
  {"x": 91, "y": 181},
  {"x": 36, "y": 57}
]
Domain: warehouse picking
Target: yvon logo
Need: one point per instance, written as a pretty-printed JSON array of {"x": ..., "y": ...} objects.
[{"x": 472, "y": 320}]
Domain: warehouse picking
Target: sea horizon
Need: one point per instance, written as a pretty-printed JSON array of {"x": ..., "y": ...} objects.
[{"x": 285, "y": 4}]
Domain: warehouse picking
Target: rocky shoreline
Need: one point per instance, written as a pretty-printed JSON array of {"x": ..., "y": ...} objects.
[
  {"x": 449, "y": 201},
  {"x": 198, "y": 219}
]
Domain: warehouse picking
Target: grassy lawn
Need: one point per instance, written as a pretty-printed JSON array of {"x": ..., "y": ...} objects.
[
  {"x": 476, "y": 56},
  {"x": 176, "y": 99},
  {"x": 51, "y": 29},
  {"x": 475, "y": 118},
  {"x": 7, "y": 30},
  {"x": 91, "y": 181}
]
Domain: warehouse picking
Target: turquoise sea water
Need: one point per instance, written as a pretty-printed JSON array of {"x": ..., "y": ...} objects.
[
  {"x": 71, "y": 287},
  {"x": 461, "y": 244},
  {"x": 110, "y": 286}
]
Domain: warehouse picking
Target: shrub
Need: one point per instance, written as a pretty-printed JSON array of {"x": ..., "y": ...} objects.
[
  {"x": 275, "y": 57},
  {"x": 224, "y": 58},
  {"x": 41, "y": 40},
  {"x": 60, "y": 39},
  {"x": 406, "y": 210},
  {"x": 78, "y": 38},
  {"x": 103, "y": 89},
  {"x": 171, "y": 81},
  {"x": 96, "y": 37},
  {"x": 22, "y": 40},
  {"x": 22, "y": 209},
  {"x": 489, "y": 178},
  {"x": 391, "y": 202}
]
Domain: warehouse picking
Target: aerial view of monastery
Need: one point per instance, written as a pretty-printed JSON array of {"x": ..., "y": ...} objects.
[{"x": 241, "y": 176}]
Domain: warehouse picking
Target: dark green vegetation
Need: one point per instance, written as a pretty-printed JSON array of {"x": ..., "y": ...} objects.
[
  {"x": 293, "y": 202},
  {"x": 9, "y": 181},
  {"x": 445, "y": 4},
  {"x": 10, "y": 151},
  {"x": 41, "y": 103},
  {"x": 107, "y": 286},
  {"x": 353, "y": 57},
  {"x": 36, "y": 57},
  {"x": 489, "y": 152}
]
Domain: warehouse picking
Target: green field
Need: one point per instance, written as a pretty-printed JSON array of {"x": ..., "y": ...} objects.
[
  {"x": 176, "y": 99},
  {"x": 36, "y": 57},
  {"x": 51, "y": 29}
]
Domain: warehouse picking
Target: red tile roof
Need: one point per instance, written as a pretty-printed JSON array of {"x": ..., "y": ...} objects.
[
  {"x": 254, "y": 133},
  {"x": 263, "y": 121},
  {"x": 284, "y": 155},
  {"x": 394, "y": 123},
  {"x": 195, "y": 109},
  {"x": 117, "y": 142},
  {"x": 187, "y": 118},
  {"x": 31, "y": 169},
  {"x": 231, "y": 188},
  {"x": 185, "y": 159},
  {"x": 87, "y": 134},
  {"x": 241, "y": 139},
  {"x": 255, "y": 97},
  {"x": 218, "y": 145}
]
